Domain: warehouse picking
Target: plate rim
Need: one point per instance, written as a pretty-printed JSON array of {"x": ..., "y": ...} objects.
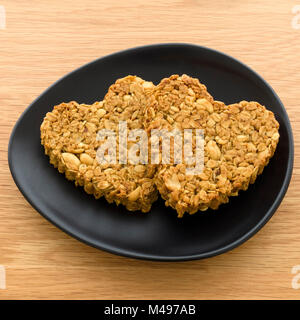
[{"x": 154, "y": 257}]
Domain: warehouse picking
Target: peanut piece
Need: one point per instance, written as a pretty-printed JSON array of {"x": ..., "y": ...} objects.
[{"x": 71, "y": 161}]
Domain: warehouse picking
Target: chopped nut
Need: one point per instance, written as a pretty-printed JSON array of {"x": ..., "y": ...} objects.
[
  {"x": 102, "y": 185},
  {"x": 213, "y": 150},
  {"x": 147, "y": 85},
  {"x": 127, "y": 97},
  {"x": 91, "y": 127},
  {"x": 174, "y": 109},
  {"x": 71, "y": 161},
  {"x": 275, "y": 136},
  {"x": 173, "y": 183},
  {"x": 242, "y": 138},
  {"x": 86, "y": 159},
  {"x": 50, "y": 116},
  {"x": 139, "y": 169},
  {"x": 133, "y": 196},
  {"x": 209, "y": 107},
  {"x": 101, "y": 113},
  {"x": 191, "y": 92}
]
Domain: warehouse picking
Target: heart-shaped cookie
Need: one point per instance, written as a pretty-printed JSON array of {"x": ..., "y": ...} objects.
[
  {"x": 69, "y": 135},
  {"x": 239, "y": 141}
]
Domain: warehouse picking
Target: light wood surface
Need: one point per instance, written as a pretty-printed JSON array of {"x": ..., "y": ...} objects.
[{"x": 43, "y": 41}]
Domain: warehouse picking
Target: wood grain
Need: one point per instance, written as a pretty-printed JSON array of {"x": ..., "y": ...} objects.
[{"x": 43, "y": 41}]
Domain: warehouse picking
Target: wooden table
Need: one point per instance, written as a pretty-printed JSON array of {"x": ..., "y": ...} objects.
[{"x": 43, "y": 41}]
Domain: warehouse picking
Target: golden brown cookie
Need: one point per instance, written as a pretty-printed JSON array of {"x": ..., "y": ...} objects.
[
  {"x": 239, "y": 140},
  {"x": 70, "y": 137}
]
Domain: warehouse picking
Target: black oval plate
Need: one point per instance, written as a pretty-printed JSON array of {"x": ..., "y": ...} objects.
[{"x": 158, "y": 235}]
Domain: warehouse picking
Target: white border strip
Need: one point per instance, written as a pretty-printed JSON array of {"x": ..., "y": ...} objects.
[
  {"x": 2, "y": 278},
  {"x": 296, "y": 18},
  {"x": 2, "y": 18}
]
